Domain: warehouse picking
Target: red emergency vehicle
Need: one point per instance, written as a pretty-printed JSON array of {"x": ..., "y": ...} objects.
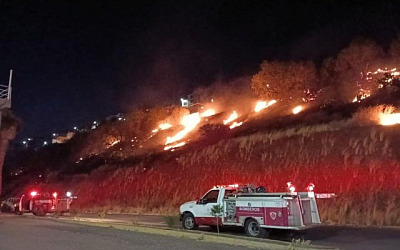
[
  {"x": 41, "y": 203},
  {"x": 254, "y": 209}
]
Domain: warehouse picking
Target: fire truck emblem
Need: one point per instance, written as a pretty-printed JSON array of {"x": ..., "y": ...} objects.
[{"x": 272, "y": 215}]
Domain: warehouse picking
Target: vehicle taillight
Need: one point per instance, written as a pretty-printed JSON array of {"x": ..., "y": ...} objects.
[
  {"x": 288, "y": 208},
  {"x": 55, "y": 194},
  {"x": 33, "y": 193},
  {"x": 69, "y": 194}
]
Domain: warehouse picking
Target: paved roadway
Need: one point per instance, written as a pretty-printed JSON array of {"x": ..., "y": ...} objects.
[
  {"x": 28, "y": 232},
  {"x": 337, "y": 236}
]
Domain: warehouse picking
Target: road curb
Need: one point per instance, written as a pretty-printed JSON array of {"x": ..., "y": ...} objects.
[{"x": 196, "y": 235}]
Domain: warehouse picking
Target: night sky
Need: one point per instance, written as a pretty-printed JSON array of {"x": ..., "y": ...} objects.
[{"x": 77, "y": 61}]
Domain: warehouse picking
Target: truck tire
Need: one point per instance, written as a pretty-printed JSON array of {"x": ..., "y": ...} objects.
[
  {"x": 253, "y": 229},
  {"x": 17, "y": 211},
  {"x": 188, "y": 222},
  {"x": 39, "y": 211}
]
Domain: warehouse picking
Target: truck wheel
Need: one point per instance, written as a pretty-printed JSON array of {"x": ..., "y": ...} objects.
[
  {"x": 188, "y": 222},
  {"x": 253, "y": 229},
  {"x": 39, "y": 211},
  {"x": 17, "y": 211}
]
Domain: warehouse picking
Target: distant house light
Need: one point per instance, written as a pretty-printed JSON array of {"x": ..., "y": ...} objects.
[
  {"x": 24, "y": 142},
  {"x": 44, "y": 143}
]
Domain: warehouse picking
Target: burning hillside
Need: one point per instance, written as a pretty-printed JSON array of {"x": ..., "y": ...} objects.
[{"x": 340, "y": 133}]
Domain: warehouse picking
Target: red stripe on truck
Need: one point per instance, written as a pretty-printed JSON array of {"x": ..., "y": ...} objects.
[{"x": 272, "y": 216}]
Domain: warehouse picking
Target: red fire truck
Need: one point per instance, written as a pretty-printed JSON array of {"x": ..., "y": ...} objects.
[
  {"x": 254, "y": 209},
  {"x": 41, "y": 203}
]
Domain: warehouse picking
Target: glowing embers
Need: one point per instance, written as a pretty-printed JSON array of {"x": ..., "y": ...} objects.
[
  {"x": 361, "y": 97},
  {"x": 260, "y": 105}
]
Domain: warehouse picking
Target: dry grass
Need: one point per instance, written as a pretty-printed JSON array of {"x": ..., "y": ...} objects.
[{"x": 360, "y": 164}]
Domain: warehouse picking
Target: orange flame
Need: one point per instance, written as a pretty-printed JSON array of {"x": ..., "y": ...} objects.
[
  {"x": 189, "y": 122},
  {"x": 235, "y": 124},
  {"x": 388, "y": 118},
  {"x": 164, "y": 126},
  {"x": 174, "y": 146},
  {"x": 231, "y": 118},
  {"x": 297, "y": 109},
  {"x": 263, "y": 104},
  {"x": 208, "y": 112}
]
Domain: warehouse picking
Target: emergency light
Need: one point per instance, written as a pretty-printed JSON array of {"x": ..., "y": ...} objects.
[
  {"x": 290, "y": 186},
  {"x": 310, "y": 187}
]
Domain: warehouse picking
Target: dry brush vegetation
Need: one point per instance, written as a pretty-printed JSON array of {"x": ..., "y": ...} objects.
[{"x": 360, "y": 164}]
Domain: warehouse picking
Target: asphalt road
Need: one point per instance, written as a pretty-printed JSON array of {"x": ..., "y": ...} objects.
[
  {"x": 352, "y": 238},
  {"x": 28, "y": 232}
]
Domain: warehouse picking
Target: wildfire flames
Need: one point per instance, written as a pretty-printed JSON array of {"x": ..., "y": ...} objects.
[
  {"x": 231, "y": 118},
  {"x": 260, "y": 105},
  {"x": 388, "y": 118},
  {"x": 361, "y": 97},
  {"x": 392, "y": 72},
  {"x": 174, "y": 146},
  {"x": 189, "y": 122},
  {"x": 297, "y": 109},
  {"x": 235, "y": 124},
  {"x": 208, "y": 112},
  {"x": 389, "y": 77},
  {"x": 162, "y": 126}
]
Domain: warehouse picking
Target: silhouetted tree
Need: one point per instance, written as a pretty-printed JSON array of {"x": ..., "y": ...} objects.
[
  {"x": 284, "y": 81},
  {"x": 352, "y": 65}
]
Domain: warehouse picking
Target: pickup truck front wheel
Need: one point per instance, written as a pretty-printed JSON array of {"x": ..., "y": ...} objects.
[{"x": 188, "y": 222}]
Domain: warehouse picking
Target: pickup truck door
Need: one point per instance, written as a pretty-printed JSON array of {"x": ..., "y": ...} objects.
[{"x": 202, "y": 211}]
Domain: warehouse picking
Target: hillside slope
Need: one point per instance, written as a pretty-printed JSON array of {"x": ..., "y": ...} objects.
[{"x": 360, "y": 164}]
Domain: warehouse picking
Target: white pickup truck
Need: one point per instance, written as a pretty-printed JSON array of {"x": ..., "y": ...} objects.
[{"x": 254, "y": 209}]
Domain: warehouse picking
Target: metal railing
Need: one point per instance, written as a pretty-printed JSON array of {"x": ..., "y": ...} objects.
[{"x": 5, "y": 92}]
